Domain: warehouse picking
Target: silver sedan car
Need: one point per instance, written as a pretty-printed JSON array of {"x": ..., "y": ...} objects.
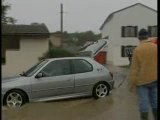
[{"x": 58, "y": 78}]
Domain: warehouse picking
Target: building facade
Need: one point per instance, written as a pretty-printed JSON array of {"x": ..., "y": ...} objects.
[
  {"x": 22, "y": 46},
  {"x": 121, "y": 28}
]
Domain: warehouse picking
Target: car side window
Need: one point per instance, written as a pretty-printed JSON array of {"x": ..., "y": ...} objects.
[
  {"x": 82, "y": 66},
  {"x": 56, "y": 68}
]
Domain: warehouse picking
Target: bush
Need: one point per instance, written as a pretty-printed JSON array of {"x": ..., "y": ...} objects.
[{"x": 57, "y": 53}]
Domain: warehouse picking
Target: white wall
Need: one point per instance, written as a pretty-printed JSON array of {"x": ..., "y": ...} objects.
[
  {"x": 135, "y": 16},
  {"x": 56, "y": 40},
  {"x": 21, "y": 60}
]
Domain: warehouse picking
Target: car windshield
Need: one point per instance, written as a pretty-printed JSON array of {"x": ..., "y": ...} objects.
[{"x": 34, "y": 69}]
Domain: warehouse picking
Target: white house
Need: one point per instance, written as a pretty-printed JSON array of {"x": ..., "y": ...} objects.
[
  {"x": 56, "y": 39},
  {"x": 22, "y": 45},
  {"x": 121, "y": 28}
]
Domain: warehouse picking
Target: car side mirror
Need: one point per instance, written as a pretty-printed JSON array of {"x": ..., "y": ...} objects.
[{"x": 39, "y": 75}]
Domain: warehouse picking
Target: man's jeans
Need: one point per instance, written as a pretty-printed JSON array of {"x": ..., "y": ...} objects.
[{"x": 147, "y": 96}]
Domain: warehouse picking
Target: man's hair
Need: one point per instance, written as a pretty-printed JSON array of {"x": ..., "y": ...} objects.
[{"x": 143, "y": 34}]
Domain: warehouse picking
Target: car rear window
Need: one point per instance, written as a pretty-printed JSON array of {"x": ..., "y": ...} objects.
[{"x": 82, "y": 66}]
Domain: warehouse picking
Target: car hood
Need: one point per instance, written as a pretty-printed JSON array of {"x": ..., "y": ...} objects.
[{"x": 9, "y": 79}]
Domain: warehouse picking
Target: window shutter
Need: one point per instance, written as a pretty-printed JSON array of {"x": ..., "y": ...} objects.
[
  {"x": 149, "y": 31},
  {"x": 122, "y": 51},
  {"x": 122, "y": 31},
  {"x": 154, "y": 31},
  {"x": 136, "y": 31}
]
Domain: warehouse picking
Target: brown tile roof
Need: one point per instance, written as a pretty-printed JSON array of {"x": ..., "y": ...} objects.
[{"x": 33, "y": 29}]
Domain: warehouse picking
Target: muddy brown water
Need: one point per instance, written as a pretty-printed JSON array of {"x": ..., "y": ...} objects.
[{"x": 119, "y": 105}]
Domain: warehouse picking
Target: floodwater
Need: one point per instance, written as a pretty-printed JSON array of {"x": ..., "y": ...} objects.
[{"x": 119, "y": 105}]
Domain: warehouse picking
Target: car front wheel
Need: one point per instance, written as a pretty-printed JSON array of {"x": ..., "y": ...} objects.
[
  {"x": 100, "y": 90},
  {"x": 15, "y": 99}
]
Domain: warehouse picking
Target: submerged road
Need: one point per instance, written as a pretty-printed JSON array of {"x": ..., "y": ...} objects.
[{"x": 119, "y": 105}]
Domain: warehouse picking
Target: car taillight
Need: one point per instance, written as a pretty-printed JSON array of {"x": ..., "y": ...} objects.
[{"x": 111, "y": 74}]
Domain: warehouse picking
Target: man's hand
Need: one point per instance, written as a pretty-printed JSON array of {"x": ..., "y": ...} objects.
[{"x": 132, "y": 88}]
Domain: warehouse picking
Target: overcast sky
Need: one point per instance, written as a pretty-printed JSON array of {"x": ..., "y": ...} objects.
[{"x": 79, "y": 16}]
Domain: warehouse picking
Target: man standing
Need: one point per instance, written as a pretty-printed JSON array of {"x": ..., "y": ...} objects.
[{"x": 143, "y": 74}]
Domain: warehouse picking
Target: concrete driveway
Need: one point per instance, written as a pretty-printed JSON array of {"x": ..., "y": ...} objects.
[{"x": 119, "y": 105}]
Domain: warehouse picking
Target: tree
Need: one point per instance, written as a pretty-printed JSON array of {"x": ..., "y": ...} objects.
[
  {"x": 56, "y": 53},
  {"x": 5, "y": 19},
  {"x": 86, "y": 36}
]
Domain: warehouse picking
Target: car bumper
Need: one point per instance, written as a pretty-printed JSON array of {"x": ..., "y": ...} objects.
[
  {"x": 2, "y": 96},
  {"x": 111, "y": 83}
]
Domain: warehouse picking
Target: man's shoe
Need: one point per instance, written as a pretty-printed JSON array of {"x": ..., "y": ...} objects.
[{"x": 144, "y": 115}]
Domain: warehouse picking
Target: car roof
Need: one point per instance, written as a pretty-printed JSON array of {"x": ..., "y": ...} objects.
[{"x": 64, "y": 58}]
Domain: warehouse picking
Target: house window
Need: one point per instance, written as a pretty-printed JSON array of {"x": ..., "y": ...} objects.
[
  {"x": 152, "y": 31},
  {"x": 13, "y": 44},
  {"x": 3, "y": 61},
  {"x": 9, "y": 43},
  {"x": 127, "y": 50},
  {"x": 129, "y": 31}
]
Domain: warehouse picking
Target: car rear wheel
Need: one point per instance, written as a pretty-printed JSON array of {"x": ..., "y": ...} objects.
[
  {"x": 100, "y": 90},
  {"x": 15, "y": 99}
]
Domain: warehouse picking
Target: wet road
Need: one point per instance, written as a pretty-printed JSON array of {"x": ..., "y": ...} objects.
[{"x": 119, "y": 105}]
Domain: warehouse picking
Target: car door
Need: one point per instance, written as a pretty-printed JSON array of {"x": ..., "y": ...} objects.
[
  {"x": 57, "y": 80},
  {"x": 84, "y": 76}
]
